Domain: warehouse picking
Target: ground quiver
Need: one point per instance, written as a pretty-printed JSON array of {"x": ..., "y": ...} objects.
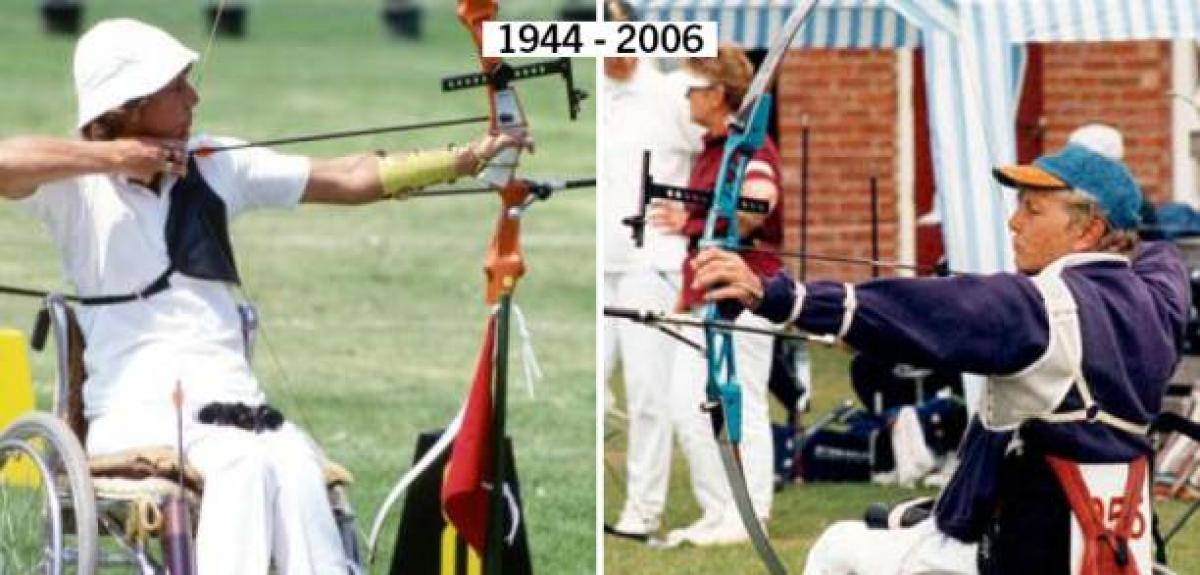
[{"x": 178, "y": 553}]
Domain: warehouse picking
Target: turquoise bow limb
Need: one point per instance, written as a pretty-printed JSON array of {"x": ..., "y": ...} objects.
[
  {"x": 741, "y": 144},
  {"x": 723, "y": 391}
]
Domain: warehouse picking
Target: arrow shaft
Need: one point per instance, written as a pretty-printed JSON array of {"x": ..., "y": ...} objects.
[
  {"x": 656, "y": 318},
  {"x": 802, "y": 255},
  {"x": 345, "y": 134}
]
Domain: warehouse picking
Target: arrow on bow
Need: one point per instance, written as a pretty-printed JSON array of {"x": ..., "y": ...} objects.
[
  {"x": 658, "y": 318},
  {"x": 209, "y": 150}
]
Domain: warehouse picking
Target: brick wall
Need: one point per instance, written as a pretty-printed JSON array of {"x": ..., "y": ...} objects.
[
  {"x": 849, "y": 100},
  {"x": 1120, "y": 83}
]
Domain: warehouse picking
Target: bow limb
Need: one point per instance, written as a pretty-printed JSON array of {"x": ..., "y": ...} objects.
[{"x": 746, "y": 135}]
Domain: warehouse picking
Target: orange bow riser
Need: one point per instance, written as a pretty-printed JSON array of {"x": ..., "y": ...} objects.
[{"x": 504, "y": 264}]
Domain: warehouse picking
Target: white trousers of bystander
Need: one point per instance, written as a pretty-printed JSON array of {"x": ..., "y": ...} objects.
[
  {"x": 646, "y": 361},
  {"x": 693, "y": 426}
]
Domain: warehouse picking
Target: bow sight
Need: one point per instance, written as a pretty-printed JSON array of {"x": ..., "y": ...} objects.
[
  {"x": 503, "y": 74},
  {"x": 653, "y": 190}
]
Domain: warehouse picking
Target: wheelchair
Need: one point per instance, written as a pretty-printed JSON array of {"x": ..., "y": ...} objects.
[{"x": 56, "y": 503}]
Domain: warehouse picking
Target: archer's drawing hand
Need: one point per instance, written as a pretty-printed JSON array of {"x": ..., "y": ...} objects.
[
  {"x": 725, "y": 276},
  {"x": 142, "y": 159}
]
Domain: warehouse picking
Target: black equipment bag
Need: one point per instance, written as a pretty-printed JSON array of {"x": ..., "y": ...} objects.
[
  {"x": 787, "y": 385},
  {"x": 848, "y": 444}
]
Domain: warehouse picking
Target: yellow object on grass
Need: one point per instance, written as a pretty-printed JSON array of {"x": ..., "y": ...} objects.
[
  {"x": 16, "y": 399},
  {"x": 449, "y": 563}
]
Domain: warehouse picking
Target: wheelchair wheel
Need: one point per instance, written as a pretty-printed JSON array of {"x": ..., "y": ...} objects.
[{"x": 47, "y": 504}]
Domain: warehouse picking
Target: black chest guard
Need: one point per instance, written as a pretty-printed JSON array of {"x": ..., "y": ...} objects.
[{"x": 197, "y": 230}]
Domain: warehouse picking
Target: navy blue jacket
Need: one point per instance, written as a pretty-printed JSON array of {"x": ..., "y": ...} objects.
[{"x": 1132, "y": 320}]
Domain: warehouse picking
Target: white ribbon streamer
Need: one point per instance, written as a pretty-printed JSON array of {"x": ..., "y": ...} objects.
[
  {"x": 419, "y": 468},
  {"x": 529, "y": 361}
]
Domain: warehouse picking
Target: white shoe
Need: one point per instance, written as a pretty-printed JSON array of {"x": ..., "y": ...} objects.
[
  {"x": 709, "y": 531},
  {"x": 633, "y": 524}
]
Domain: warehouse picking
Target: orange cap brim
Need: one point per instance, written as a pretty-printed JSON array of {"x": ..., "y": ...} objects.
[{"x": 1028, "y": 177}]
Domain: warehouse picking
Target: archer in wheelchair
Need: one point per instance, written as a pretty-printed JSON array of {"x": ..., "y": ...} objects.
[
  {"x": 1077, "y": 349},
  {"x": 139, "y": 209}
]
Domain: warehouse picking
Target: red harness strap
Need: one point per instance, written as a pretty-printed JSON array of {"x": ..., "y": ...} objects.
[{"x": 1105, "y": 550}]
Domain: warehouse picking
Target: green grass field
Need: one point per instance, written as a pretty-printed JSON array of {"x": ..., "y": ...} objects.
[
  {"x": 372, "y": 315},
  {"x": 800, "y": 512}
]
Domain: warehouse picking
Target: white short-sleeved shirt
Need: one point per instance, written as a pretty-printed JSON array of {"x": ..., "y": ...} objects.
[
  {"x": 110, "y": 234},
  {"x": 647, "y": 112}
]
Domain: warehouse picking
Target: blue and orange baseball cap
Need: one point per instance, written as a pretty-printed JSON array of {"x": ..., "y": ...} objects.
[{"x": 1090, "y": 163}]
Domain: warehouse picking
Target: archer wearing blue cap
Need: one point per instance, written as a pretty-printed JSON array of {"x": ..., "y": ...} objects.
[
  {"x": 1076, "y": 350},
  {"x": 1094, "y": 190}
]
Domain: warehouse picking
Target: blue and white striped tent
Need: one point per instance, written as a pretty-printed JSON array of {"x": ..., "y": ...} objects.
[{"x": 975, "y": 55}]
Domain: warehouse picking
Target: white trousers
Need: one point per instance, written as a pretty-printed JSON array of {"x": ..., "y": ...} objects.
[
  {"x": 694, "y": 427},
  {"x": 851, "y": 548},
  {"x": 609, "y": 333},
  {"x": 646, "y": 361},
  {"x": 264, "y": 494}
]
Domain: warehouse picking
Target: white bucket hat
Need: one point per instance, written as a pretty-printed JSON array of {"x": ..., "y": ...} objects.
[{"x": 121, "y": 60}]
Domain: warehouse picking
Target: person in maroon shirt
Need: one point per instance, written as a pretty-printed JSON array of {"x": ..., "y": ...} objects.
[{"x": 716, "y": 87}]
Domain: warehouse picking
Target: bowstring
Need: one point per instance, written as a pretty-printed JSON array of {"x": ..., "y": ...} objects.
[
  {"x": 212, "y": 37},
  {"x": 243, "y": 288}
]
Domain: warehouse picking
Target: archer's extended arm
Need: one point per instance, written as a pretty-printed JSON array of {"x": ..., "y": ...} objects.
[
  {"x": 981, "y": 324},
  {"x": 365, "y": 178}
]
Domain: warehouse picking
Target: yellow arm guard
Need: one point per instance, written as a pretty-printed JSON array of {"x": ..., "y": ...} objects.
[{"x": 399, "y": 177}]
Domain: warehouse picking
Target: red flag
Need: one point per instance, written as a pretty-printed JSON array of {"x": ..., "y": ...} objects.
[{"x": 464, "y": 499}]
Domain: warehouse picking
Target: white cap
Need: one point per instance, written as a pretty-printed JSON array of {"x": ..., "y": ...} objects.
[
  {"x": 1100, "y": 138},
  {"x": 690, "y": 79},
  {"x": 121, "y": 60}
]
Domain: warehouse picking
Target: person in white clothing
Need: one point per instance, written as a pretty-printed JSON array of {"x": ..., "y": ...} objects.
[
  {"x": 645, "y": 112},
  {"x": 139, "y": 212}
]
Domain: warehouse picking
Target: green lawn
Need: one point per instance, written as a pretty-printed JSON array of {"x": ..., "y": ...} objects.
[
  {"x": 373, "y": 315},
  {"x": 800, "y": 512}
]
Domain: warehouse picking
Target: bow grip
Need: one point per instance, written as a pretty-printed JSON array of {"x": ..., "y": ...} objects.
[{"x": 508, "y": 116}]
